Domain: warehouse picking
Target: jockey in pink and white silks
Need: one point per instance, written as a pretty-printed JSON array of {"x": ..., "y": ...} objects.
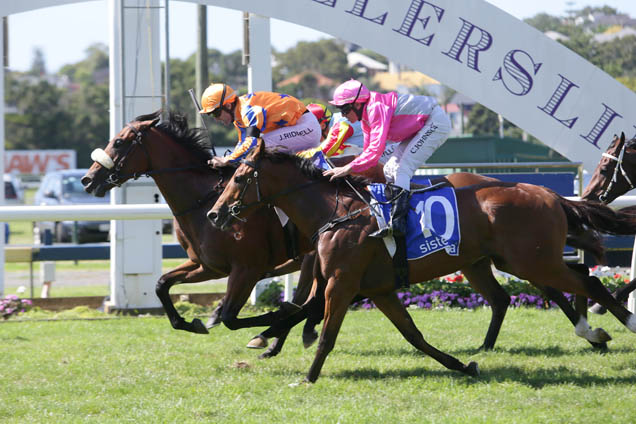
[{"x": 416, "y": 123}]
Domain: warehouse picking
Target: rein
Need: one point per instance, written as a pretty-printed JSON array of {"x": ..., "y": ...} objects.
[
  {"x": 238, "y": 206},
  {"x": 617, "y": 167}
]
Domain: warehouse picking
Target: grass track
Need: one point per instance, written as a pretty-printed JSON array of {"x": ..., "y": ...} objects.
[{"x": 140, "y": 370}]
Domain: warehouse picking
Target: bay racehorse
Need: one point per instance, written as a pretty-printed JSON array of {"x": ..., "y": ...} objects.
[
  {"x": 520, "y": 228},
  {"x": 175, "y": 156}
]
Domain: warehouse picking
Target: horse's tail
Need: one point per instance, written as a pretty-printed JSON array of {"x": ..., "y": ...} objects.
[{"x": 587, "y": 219}]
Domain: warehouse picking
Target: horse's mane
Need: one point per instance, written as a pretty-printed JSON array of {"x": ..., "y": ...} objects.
[
  {"x": 306, "y": 166},
  {"x": 196, "y": 140},
  {"x": 630, "y": 143}
]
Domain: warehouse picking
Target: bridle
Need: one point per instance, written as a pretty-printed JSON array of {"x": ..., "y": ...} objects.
[
  {"x": 618, "y": 167},
  {"x": 116, "y": 178},
  {"x": 237, "y": 207}
]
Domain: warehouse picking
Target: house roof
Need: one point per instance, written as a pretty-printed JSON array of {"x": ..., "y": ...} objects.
[
  {"x": 612, "y": 35},
  {"x": 391, "y": 81},
  {"x": 358, "y": 59},
  {"x": 322, "y": 80}
]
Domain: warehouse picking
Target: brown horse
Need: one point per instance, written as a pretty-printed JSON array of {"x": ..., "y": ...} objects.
[
  {"x": 175, "y": 156},
  {"x": 348, "y": 262}
]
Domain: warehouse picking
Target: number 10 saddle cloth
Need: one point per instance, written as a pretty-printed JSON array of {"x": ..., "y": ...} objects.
[{"x": 432, "y": 222}]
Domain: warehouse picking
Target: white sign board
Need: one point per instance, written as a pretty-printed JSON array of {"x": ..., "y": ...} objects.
[{"x": 38, "y": 161}]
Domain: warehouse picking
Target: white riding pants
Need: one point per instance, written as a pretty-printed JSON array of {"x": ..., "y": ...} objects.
[
  {"x": 408, "y": 155},
  {"x": 294, "y": 138}
]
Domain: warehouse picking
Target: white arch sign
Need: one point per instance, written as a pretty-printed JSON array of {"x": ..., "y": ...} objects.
[{"x": 478, "y": 50}]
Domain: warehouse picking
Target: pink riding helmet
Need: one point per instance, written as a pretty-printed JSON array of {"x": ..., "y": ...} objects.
[{"x": 350, "y": 92}]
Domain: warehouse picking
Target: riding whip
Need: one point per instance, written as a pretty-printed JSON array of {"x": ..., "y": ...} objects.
[{"x": 197, "y": 106}]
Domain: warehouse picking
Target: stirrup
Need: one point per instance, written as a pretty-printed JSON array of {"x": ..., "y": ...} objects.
[{"x": 382, "y": 232}]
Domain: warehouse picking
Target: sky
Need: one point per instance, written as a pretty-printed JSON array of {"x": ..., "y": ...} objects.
[{"x": 69, "y": 29}]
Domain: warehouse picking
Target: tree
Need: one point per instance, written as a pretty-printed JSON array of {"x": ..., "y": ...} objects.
[
  {"x": 38, "y": 66},
  {"x": 326, "y": 57}
]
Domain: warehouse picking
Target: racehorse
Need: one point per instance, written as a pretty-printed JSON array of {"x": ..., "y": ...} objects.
[
  {"x": 614, "y": 176},
  {"x": 520, "y": 228},
  {"x": 175, "y": 156}
]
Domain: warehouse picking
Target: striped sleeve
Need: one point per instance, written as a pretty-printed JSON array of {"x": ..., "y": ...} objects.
[{"x": 242, "y": 149}]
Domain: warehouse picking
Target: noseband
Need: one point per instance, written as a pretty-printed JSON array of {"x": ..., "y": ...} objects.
[
  {"x": 619, "y": 166},
  {"x": 114, "y": 176}
]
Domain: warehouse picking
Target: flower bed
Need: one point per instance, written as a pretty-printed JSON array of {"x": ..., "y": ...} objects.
[
  {"x": 453, "y": 291},
  {"x": 13, "y": 305}
]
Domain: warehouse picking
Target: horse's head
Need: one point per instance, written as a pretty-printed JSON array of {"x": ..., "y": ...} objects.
[
  {"x": 124, "y": 157},
  {"x": 242, "y": 193},
  {"x": 615, "y": 174}
]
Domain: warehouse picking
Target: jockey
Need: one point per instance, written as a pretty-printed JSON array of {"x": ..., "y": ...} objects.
[
  {"x": 335, "y": 130},
  {"x": 417, "y": 123},
  {"x": 279, "y": 119}
]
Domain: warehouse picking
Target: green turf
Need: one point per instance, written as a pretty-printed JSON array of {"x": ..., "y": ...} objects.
[{"x": 141, "y": 370}]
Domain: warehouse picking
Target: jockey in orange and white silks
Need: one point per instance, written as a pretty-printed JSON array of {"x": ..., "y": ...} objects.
[
  {"x": 279, "y": 119},
  {"x": 416, "y": 123}
]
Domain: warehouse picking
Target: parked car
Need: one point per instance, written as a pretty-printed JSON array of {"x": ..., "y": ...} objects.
[
  {"x": 64, "y": 188},
  {"x": 13, "y": 192}
]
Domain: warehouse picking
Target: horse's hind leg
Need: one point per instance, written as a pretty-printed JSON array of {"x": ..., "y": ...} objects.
[
  {"x": 562, "y": 278},
  {"x": 482, "y": 280},
  {"x": 621, "y": 294},
  {"x": 598, "y": 337},
  {"x": 187, "y": 272},
  {"x": 391, "y": 306}
]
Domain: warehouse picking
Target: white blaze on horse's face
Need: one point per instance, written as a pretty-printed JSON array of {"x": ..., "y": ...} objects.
[{"x": 102, "y": 158}]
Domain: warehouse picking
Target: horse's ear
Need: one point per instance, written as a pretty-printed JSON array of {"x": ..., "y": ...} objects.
[
  {"x": 622, "y": 137},
  {"x": 150, "y": 124}
]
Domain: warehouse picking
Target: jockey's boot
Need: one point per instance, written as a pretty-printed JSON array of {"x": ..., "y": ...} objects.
[{"x": 399, "y": 211}]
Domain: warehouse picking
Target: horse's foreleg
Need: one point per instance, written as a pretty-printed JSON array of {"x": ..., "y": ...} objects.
[
  {"x": 300, "y": 296},
  {"x": 187, "y": 272},
  {"x": 391, "y": 306},
  {"x": 241, "y": 281},
  {"x": 482, "y": 280},
  {"x": 337, "y": 300}
]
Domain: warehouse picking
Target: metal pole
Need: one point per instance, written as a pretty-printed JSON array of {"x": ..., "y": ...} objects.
[
  {"x": 166, "y": 66},
  {"x": 201, "y": 70},
  {"x": 246, "y": 38}
]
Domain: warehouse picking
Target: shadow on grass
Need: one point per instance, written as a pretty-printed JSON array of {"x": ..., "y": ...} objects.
[{"x": 536, "y": 379}]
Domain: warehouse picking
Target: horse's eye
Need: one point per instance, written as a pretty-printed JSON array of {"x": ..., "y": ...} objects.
[
  {"x": 119, "y": 142},
  {"x": 239, "y": 179}
]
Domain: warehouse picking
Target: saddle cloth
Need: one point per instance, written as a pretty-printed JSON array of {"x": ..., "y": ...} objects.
[{"x": 432, "y": 222}]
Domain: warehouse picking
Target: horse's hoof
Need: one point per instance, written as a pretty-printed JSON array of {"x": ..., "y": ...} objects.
[
  {"x": 601, "y": 336},
  {"x": 213, "y": 321},
  {"x": 309, "y": 338},
  {"x": 597, "y": 309},
  {"x": 485, "y": 348},
  {"x": 472, "y": 369},
  {"x": 303, "y": 382},
  {"x": 258, "y": 342},
  {"x": 268, "y": 354},
  {"x": 198, "y": 327}
]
